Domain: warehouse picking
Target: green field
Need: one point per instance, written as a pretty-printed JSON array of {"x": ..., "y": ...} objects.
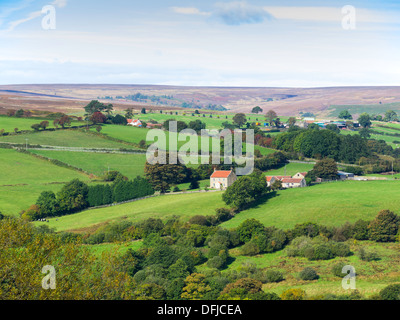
[
  {"x": 368, "y": 108},
  {"x": 24, "y": 124},
  {"x": 135, "y": 135},
  {"x": 24, "y": 177},
  {"x": 328, "y": 204},
  {"x": 211, "y": 123},
  {"x": 130, "y": 165},
  {"x": 291, "y": 169},
  {"x": 371, "y": 276},
  {"x": 388, "y": 139},
  {"x": 183, "y": 205},
  {"x": 65, "y": 138}
]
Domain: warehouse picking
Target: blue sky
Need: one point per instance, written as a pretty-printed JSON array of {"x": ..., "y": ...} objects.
[{"x": 282, "y": 43}]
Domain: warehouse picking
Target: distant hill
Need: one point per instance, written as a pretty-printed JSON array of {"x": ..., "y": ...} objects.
[{"x": 285, "y": 101}]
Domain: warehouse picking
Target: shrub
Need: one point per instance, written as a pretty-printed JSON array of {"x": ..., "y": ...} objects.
[
  {"x": 360, "y": 230},
  {"x": 216, "y": 262},
  {"x": 293, "y": 294},
  {"x": 322, "y": 252},
  {"x": 200, "y": 220},
  {"x": 340, "y": 250},
  {"x": 308, "y": 274},
  {"x": 337, "y": 270},
  {"x": 248, "y": 228},
  {"x": 250, "y": 249},
  {"x": 384, "y": 227},
  {"x": 274, "y": 276},
  {"x": 391, "y": 292},
  {"x": 365, "y": 255}
]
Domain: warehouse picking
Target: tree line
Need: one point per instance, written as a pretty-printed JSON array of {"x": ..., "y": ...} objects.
[{"x": 76, "y": 196}]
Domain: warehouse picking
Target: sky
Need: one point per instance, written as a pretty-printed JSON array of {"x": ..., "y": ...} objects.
[{"x": 254, "y": 43}]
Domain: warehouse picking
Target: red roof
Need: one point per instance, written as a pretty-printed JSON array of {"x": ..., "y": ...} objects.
[
  {"x": 290, "y": 180},
  {"x": 221, "y": 174},
  {"x": 269, "y": 178}
]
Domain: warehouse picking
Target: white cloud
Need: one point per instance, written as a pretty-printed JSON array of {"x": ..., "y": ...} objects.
[
  {"x": 31, "y": 16},
  {"x": 329, "y": 14},
  {"x": 59, "y": 3},
  {"x": 189, "y": 11}
]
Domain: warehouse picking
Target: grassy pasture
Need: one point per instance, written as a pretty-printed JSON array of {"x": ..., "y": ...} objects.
[
  {"x": 130, "y": 165},
  {"x": 183, "y": 205},
  {"x": 23, "y": 178},
  {"x": 329, "y": 204},
  {"x": 368, "y": 108},
  {"x": 291, "y": 169},
  {"x": 65, "y": 138},
  {"x": 135, "y": 135},
  {"x": 371, "y": 276},
  {"x": 211, "y": 123},
  {"x": 24, "y": 124},
  {"x": 388, "y": 139}
]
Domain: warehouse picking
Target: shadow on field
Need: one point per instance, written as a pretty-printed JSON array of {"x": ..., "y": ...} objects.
[{"x": 263, "y": 200}]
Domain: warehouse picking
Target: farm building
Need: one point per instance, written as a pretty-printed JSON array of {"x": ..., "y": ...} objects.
[
  {"x": 272, "y": 179},
  {"x": 300, "y": 175},
  {"x": 288, "y": 183},
  {"x": 154, "y": 126},
  {"x": 345, "y": 175},
  {"x": 221, "y": 180},
  {"x": 134, "y": 123},
  {"x": 297, "y": 181}
]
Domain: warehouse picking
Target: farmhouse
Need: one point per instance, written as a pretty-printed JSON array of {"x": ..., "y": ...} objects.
[
  {"x": 134, "y": 123},
  {"x": 221, "y": 180},
  {"x": 288, "y": 183},
  {"x": 272, "y": 179},
  {"x": 300, "y": 175},
  {"x": 297, "y": 181}
]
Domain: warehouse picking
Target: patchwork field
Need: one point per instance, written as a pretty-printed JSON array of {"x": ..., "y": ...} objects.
[
  {"x": 130, "y": 165},
  {"x": 371, "y": 276},
  {"x": 65, "y": 138},
  {"x": 291, "y": 169},
  {"x": 329, "y": 204},
  {"x": 24, "y": 124},
  {"x": 332, "y": 204},
  {"x": 23, "y": 178},
  {"x": 183, "y": 205},
  {"x": 135, "y": 135}
]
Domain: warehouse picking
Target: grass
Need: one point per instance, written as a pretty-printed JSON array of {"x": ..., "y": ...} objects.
[
  {"x": 99, "y": 249},
  {"x": 388, "y": 139},
  {"x": 135, "y": 135},
  {"x": 183, "y": 205},
  {"x": 65, "y": 138},
  {"x": 14, "y": 199},
  {"x": 368, "y": 108},
  {"x": 24, "y": 177},
  {"x": 371, "y": 276},
  {"x": 291, "y": 169},
  {"x": 130, "y": 165},
  {"x": 24, "y": 124},
  {"x": 211, "y": 123},
  {"x": 328, "y": 204},
  {"x": 18, "y": 168}
]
